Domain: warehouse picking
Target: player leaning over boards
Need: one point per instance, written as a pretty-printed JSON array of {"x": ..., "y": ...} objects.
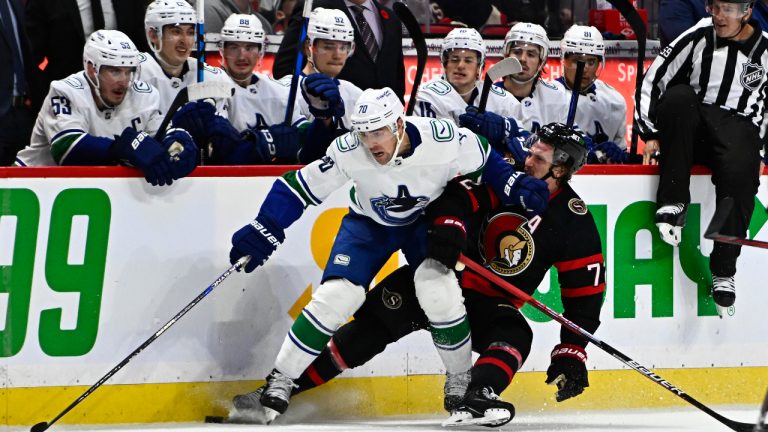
[
  {"x": 703, "y": 101},
  {"x": 398, "y": 165},
  {"x": 255, "y": 132},
  {"x": 104, "y": 115},
  {"x": 602, "y": 111},
  {"x": 517, "y": 247}
]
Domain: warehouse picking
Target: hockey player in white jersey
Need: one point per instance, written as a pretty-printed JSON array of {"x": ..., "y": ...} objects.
[
  {"x": 104, "y": 115},
  {"x": 397, "y": 165},
  {"x": 602, "y": 111},
  {"x": 170, "y": 30}
]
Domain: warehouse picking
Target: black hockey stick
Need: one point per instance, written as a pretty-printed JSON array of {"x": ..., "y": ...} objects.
[
  {"x": 42, "y": 426},
  {"x": 482, "y": 271},
  {"x": 762, "y": 419},
  {"x": 299, "y": 60},
  {"x": 635, "y": 21},
  {"x": 575, "y": 93},
  {"x": 417, "y": 37},
  {"x": 507, "y": 66},
  {"x": 200, "y": 40},
  {"x": 722, "y": 211}
]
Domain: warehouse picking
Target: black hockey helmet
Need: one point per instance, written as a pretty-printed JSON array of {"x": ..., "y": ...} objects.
[{"x": 570, "y": 146}]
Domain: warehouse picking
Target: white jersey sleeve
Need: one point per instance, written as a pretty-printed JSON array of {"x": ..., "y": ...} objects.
[
  {"x": 547, "y": 103},
  {"x": 439, "y": 99},
  {"x": 261, "y": 104},
  {"x": 601, "y": 113}
]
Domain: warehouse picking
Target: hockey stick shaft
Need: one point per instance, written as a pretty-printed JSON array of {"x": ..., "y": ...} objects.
[
  {"x": 482, "y": 271},
  {"x": 42, "y": 426},
  {"x": 723, "y": 210},
  {"x": 487, "y": 83},
  {"x": 200, "y": 39},
  {"x": 299, "y": 60},
  {"x": 417, "y": 37},
  {"x": 575, "y": 93}
]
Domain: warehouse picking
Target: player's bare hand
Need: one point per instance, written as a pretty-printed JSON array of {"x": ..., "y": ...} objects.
[{"x": 651, "y": 152}]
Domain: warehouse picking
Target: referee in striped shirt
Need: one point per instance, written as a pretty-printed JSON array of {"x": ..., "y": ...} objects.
[{"x": 702, "y": 101}]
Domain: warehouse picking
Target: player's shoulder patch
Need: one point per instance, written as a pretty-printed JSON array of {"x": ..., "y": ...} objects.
[
  {"x": 499, "y": 91},
  {"x": 142, "y": 87},
  {"x": 346, "y": 142},
  {"x": 548, "y": 84},
  {"x": 74, "y": 82},
  {"x": 212, "y": 69},
  {"x": 438, "y": 87},
  {"x": 143, "y": 57},
  {"x": 442, "y": 130},
  {"x": 578, "y": 206}
]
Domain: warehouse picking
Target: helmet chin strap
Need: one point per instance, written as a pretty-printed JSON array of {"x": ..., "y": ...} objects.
[
  {"x": 399, "y": 138},
  {"x": 97, "y": 89}
]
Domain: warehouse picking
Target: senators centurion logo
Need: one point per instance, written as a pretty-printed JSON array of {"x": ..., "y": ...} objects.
[
  {"x": 751, "y": 75},
  {"x": 506, "y": 245}
]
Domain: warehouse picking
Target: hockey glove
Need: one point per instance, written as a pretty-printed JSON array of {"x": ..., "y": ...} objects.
[
  {"x": 259, "y": 239},
  {"x": 517, "y": 150},
  {"x": 198, "y": 119},
  {"x": 255, "y": 147},
  {"x": 323, "y": 96},
  {"x": 568, "y": 371},
  {"x": 287, "y": 143},
  {"x": 446, "y": 240},
  {"x": 612, "y": 153},
  {"x": 531, "y": 193},
  {"x": 182, "y": 150},
  {"x": 492, "y": 126},
  {"x": 143, "y": 152}
]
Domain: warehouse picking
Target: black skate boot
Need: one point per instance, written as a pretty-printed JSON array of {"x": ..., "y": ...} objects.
[
  {"x": 670, "y": 220},
  {"x": 276, "y": 395},
  {"x": 481, "y": 407},
  {"x": 455, "y": 388},
  {"x": 723, "y": 293}
]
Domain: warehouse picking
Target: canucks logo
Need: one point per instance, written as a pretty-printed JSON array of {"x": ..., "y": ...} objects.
[{"x": 399, "y": 210}]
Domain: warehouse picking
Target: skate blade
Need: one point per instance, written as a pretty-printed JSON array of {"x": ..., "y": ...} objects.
[
  {"x": 725, "y": 311},
  {"x": 234, "y": 419},
  {"x": 270, "y": 415},
  {"x": 492, "y": 417}
]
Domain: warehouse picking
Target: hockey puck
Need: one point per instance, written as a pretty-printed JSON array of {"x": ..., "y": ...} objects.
[{"x": 214, "y": 419}]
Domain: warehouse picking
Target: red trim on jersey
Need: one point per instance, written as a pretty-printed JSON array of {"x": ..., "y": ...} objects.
[
  {"x": 498, "y": 363},
  {"x": 314, "y": 376},
  {"x": 565, "y": 266},
  {"x": 511, "y": 351},
  {"x": 475, "y": 204},
  {"x": 554, "y": 194},
  {"x": 582, "y": 291},
  {"x": 336, "y": 356},
  {"x": 492, "y": 196}
]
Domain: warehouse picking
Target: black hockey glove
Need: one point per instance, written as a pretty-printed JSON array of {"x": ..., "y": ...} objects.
[
  {"x": 446, "y": 240},
  {"x": 568, "y": 371}
]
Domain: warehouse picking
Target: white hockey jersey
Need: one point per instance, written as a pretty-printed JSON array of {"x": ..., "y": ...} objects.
[
  {"x": 261, "y": 104},
  {"x": 547, "y": 103},
  {"x": 602, "y": 113},
  {"x": 153, "y": 74},
  {"x": 69, "y": 111},
  {"x": 438, "y": 99},
  {"x": 394, "y": 195},
  {"x": 349, "y": 94}
]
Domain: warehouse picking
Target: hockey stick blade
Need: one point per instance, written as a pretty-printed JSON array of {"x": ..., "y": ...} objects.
[
  {"x": 722, "y": 212},
  {"x": 42, "y": 426},
  {"x": 417, "y": 37},
  {"x": 565, "y": 322},
  {"x": 508, "y": 66}
]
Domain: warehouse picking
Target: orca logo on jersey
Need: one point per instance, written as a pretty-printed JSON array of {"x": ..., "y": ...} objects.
[
  {"x": 505, "y": 244},
  {"x": 388, "y": 207},
  {"x": 391, "y": 300},
  {"x": 751, "y": 75}
]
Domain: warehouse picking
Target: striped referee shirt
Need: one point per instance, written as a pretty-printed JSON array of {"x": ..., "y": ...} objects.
[{"x": 728, "y": 74}]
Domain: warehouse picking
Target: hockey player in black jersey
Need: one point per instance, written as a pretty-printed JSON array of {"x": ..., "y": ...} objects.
[
  {"x": 517, "y": 247},
  {"x": 703, "y": 101}
]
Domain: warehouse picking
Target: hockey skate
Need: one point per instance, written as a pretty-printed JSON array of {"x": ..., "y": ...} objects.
[
  {"x": 670, "y": 220},
  {"x": 724, "y": 294},
  {"x": 277, "y": 392},
  {"x": 481, "y": 407},
  {"x": 455, "y": 388}
]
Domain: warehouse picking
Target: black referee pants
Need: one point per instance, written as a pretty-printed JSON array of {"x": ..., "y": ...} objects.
[{"x": 692, "y": 133}]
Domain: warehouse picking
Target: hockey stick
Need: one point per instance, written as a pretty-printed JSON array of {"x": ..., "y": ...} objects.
[
  {"x": 200, "y": 39},
  {"x": 42, "y": 426},
  {"x": 508, "y": 66},
  {"x": 762, "y": 419},
  {"x": 635, "y": 21},
  {"x": 202, "y": 90},
  {"x": 722, "y": 211},
  {"x": 417, "y": 37},
  {"x": 482, "y": 271},
  {"x": 299, "y": 60},
  {"x": 575, "y": 93}
]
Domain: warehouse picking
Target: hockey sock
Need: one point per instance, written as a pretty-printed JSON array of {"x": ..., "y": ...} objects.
[
  {"x": 322, "y": 370},
  {"x": 453, "y": 342},
  {"x": 496, "y": 367}
]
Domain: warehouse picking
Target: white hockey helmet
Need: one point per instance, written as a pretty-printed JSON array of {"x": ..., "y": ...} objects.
[
  {"x": 110, "y": 48},
  {"x": 582, "y": 40},
  {"x": 376, "y": 109},
  {"x": 527, "y": 33},
  {"x": 161, "y": 13},
  {"x": 330, "y": 24},
  {"x": 463, "y": 38},
  {"x": 242, "y": 28}
]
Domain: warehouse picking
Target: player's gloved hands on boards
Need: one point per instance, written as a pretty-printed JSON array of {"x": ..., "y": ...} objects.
[
  {"x": 446, "y": 240},
  {"x": 322, "y": 94},
  {"x": 528, "y": 191},
  {"x": 254, "y": 147},
  {"x": 612, "y": 153},
  {"x": 287, "y": 143},
  {"x": 182, "y": 150},
  {"x": 568, "y": 371},
  {"x": 198, "y": 118},
  {"x": 492, "y": 126},
  {"x": 145, "y": 153},
  {"x": 259, "y": 239}
]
